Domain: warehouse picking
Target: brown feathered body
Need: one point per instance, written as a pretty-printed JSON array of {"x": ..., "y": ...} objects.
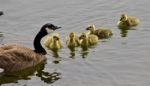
[
  {"x": 16, "y": 57},
  {"x": 103, "y": 33},
  {"x": 100, "y": 32},
  {"x": 129, "y": 21}
]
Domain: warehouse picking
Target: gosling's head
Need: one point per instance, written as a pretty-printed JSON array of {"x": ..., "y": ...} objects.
[
  {"x": 72, "y": 34},
  {"x": 83, "y": 36},
  {"x": 123, "y": 17},
  {"x": 56, "y": 36},
  {"x": 91, "y": 28}
]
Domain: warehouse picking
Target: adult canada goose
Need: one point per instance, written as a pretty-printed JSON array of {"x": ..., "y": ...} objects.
[
  {"x": 101, "y": 32},
  {"x": 53, "y": 43},
  {"x": 129, "y": 21},
  {"x": 15, "y": 57},
  {"x": 72, "y": 40}
]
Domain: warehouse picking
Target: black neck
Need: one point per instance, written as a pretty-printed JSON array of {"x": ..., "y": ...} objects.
[{"x": 37, "y": 41}]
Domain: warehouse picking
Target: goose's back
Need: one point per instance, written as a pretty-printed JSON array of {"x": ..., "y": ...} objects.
[{"x": 16, "y": 57}]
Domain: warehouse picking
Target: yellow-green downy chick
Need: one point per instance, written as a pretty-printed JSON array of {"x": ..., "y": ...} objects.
[
  {"x": 87, "y": 39},
  {"x": 129, "y": 21},
  {"x": 72, "y": 40},
  {"x": 54, "y": 42},
  {"x": 101, "y": 32},
  {"x": 84, "y": 40}
]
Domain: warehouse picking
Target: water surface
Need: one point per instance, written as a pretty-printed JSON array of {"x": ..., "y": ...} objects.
[{"x": 122, "y": 60}]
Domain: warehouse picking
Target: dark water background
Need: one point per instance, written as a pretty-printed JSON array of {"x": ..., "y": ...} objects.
[{"x": 123, "y": 60}]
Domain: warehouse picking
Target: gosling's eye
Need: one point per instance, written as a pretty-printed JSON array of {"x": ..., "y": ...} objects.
[{"x": 57, "y": 38}]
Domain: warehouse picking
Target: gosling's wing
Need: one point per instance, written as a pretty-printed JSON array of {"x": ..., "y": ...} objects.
[
  {"x": 48, "y": 41},
  {"x": 133, "y": 21},
  {"x": 60, "y": 43},
  {"x": 67, "y": 39},
  {"x": 77, "y": 40}
]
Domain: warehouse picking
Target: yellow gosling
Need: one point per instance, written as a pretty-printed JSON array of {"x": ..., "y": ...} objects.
[
  {"x": 101, "y": 32},
  {"x": 72, "y": 40},
  {"x": 84, "y": 43},
  {"x": 87, "y": 39},
  {"x": 129, "y": 21},
  {"x": 53, "y": 43}
]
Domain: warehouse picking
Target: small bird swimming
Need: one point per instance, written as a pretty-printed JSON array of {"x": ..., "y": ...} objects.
[
  {"x": 54, "y": 42},
  {"x": 87, "y": 39},
  {"x": 72, "y": 40},
  {"x": 101, "y": 32},
  {"x": 129, "y": 21}
]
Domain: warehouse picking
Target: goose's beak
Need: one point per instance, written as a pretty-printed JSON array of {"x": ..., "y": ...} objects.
[{"x": 56, "y": 27}]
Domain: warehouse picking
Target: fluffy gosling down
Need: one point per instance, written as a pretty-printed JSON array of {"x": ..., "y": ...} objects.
[
  {"x": 129, "y": 21},
  {"x": 88, "y": 39},
  {"x": 101, "y": 32},
  {"x": 53, "y": 43},
  {"x": 72, "y": 40}
]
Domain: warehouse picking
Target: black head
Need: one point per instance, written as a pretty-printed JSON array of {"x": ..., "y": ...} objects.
[{"x": 51, "y": 26}]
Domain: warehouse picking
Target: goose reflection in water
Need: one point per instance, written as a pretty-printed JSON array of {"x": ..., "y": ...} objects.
[
  {"x": 1, "y": 38},
  {"x": 25, "y": 74}
]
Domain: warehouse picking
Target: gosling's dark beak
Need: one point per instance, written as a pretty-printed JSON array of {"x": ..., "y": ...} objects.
[
  {"x": 80, "y": 37},
  {"x": 121, "y": 19},
  {"x": 57, "y": 38},
  {"x": 87, "y": 28}
]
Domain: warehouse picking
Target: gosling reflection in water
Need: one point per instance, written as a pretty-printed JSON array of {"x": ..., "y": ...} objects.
[
  {"x": 124, "y": 30},
  {"x": 27, "y": 73},
  {"x": 84, "y": 53},
  {"x": 55, "y": 54}
]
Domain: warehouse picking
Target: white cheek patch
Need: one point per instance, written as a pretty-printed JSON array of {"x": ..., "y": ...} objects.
[{"x": 49, "y": 30}]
